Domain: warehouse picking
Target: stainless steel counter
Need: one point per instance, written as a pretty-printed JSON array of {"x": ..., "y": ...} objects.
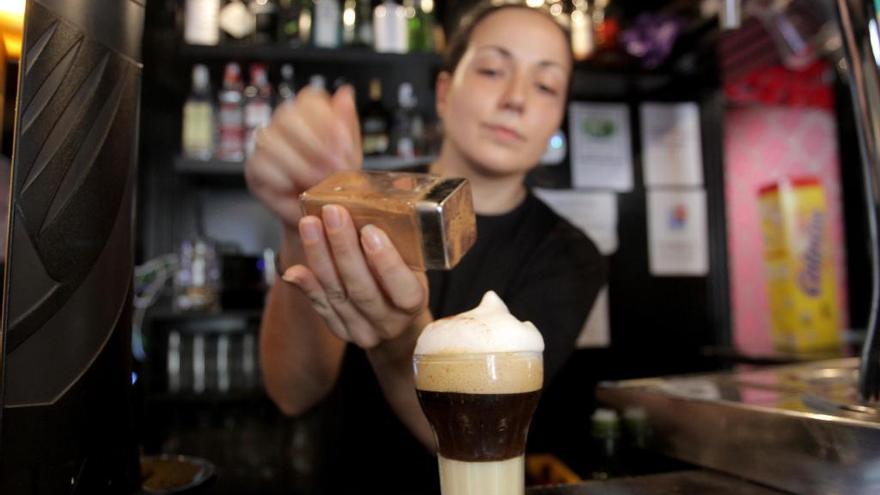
[{"x": 695, "y": 482}]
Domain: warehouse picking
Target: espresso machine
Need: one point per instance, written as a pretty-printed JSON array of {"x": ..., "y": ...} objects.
[{"x": 804, "y": 428}]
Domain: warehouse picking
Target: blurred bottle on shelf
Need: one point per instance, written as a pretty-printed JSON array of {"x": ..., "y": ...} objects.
[
  {"x": 318, "y": 81},
  {"x": 287, "y": 86},
  {"x": 403, "y": 131},
  {"x": 306, "y": 21},
  {"x": 326, "y": 24},
  {"x": 197, "y": 281},
  {"x": 230, "y": 145},
  {"x": 583, "y": 40},
  {"x": 390, "y": 28},
  {"x": 605, "y": 435},
  {"x": 375, "y": 122},
  {"x": 265, "y": 14},
  {"x": 420, "y": 25},
  {"x": 201, "y": 22},
  {"x": 198, "y": 117},
  {"x": 637, "y": 438},
  {"x": 237, "y": 22},
  {"x": 289, "y": 30},
  {"x": 357, "y": 23},
  {"x": 257, "y": 105},
  {"x": 365, "y": 33},
  {"x": 606, "y": 25}
]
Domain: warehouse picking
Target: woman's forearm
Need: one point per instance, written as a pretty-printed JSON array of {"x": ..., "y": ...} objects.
[
  {"x": 392, "y": 363},
  {"x": 299, "y": 357}
]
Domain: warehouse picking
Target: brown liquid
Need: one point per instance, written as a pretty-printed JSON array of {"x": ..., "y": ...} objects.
[{"x": 479, "y": 427}]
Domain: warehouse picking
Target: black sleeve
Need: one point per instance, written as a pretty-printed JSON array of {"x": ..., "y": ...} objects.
[{"x": 557, "y": 290}]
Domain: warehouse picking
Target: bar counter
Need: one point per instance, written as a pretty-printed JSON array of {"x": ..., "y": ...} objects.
[{"x": 691, "y": 482}]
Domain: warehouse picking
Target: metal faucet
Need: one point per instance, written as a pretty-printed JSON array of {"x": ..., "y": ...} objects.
[{"x": 858, "y": 20}]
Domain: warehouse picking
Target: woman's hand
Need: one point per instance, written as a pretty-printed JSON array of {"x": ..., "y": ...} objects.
[
  {"x": 357, "y": 281},
  {"x": 308, "y": 139}
]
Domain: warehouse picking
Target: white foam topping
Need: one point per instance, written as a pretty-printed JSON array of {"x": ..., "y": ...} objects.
[{"x": 488, "y": 328}]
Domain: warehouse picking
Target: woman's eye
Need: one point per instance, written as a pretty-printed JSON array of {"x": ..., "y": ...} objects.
[
  {"x": 550, "y": 90},
  {"x": 489, "y": 72}
]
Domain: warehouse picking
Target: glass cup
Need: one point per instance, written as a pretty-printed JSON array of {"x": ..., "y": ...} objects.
[{"x": 480, "y": 407}]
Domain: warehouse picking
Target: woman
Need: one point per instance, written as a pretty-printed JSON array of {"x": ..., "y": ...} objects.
[{"x": 343, "y": 328}]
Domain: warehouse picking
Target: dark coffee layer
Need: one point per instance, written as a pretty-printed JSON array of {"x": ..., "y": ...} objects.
[{"x": 480, "y": 427}]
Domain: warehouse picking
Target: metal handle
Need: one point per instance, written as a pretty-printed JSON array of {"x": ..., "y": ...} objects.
[{"x": 861, "y": 40}]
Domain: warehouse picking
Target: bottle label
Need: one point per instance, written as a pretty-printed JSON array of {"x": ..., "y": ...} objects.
[
  {"x": 201, "y": 22},
  {"x": 198, "y": 130},
  {"x": 231, "y": 145}
]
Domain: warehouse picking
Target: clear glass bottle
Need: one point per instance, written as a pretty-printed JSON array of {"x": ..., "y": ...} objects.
[
  {"x": 402, "y": 135},
  {"x": 197, "y": 281},
  {"x": 390, "y": 28},
  {"x": 201, "y": 22},
  {"x": 230, "y": 145},
  {"x": 287, "y": 86},
  {"x": 327, "y": 24},
  {"x": 198, "y": 117}
]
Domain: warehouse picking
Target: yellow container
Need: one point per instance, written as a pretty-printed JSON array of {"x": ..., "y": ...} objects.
[{"x": 800, "y": 267}]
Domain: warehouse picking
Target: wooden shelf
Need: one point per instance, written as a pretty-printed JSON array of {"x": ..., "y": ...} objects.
[
  {"x": 223, "y": 168},
  {"x": 284, "y": 53}
]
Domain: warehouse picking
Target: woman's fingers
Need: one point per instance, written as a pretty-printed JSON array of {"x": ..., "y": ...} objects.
[
  {"x": 306, "y": 281},
  {"x": 321, "y": 261},
  {"x": 345, "y": 107},
  {"x": 303, "y": 133},
  {"x": 400, "y": 283},
  {"x": 351, "y": 265}
]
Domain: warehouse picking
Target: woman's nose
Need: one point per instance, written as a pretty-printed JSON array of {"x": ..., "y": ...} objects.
[{"x": 515, "y": 94}]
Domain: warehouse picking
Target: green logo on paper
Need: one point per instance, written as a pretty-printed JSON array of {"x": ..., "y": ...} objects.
[{"x": 598, "y": 128}]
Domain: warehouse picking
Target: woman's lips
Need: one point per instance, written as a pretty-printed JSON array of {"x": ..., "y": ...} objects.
[{"x": 504, "y": 134}]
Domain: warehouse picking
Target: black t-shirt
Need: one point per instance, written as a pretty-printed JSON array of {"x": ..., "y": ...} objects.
[{"x": 546, "y": 271}]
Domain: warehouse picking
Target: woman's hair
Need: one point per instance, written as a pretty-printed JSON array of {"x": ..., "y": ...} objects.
[{"x": 461, "y": 37}]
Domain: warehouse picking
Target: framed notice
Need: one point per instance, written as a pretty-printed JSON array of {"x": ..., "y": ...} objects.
[
  {"x": 678, "y": 242},
  {"x": 601, "y": 146},
  {"x": 671, "y": 147},
  {"x": 594, "y": 212}
]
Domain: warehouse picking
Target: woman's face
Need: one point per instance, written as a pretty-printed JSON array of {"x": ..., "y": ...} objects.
[{"x": 507, "y": 95}]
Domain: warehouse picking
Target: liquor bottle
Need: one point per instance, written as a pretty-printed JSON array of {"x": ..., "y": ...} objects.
[
  {"x": 605, "y": 433},
  {"x": 286, "y": 88},
  {"x": 257, "y": 105},
  {"x": 374, "y": 126},
  {"x": 637, "y": 438},
  {"x": 236, "y": 21},
  {"x": 326, "y": 24},
  {"x": 357, "y": 23},
  {"x": 289, "y": 12},
  {"x": 420, "y": 25},
  {"x": 318, "y": 81},
  {"x": 402, "y": 136},
  {"x": 389, "y": 28},
  {"x": 201, "y": 23},
  {"x": 349, "y": 18},
  {"x": 198, "y": 117},
  {"x": 583, "y": 41},
  {"x": 231, "y": 122},
  {"x": 265, "y": 14},
  {"x": 364, "y": 34}
]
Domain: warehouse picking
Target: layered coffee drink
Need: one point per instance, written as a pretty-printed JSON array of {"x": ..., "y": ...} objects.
[{"x": 478, "y": 377}]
